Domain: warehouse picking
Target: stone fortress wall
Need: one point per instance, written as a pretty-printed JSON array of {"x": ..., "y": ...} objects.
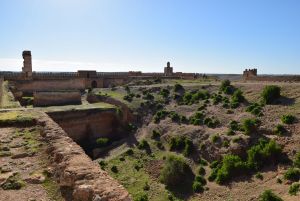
[
  {"x": 56, "y": 98},
  {"x": 251, "y": 75}
]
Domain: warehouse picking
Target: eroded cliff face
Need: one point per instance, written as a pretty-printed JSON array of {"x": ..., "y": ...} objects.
[{"x": 74, "y": 170}]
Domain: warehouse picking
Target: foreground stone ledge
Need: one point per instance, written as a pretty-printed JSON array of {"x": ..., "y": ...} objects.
[{"x": 74, "y": 170}]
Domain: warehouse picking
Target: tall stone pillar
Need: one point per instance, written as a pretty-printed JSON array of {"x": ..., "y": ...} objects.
[{"x": 27, "y": 65}]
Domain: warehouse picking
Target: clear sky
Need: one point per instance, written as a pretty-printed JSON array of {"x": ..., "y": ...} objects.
[{"x": 205, "y": 36}]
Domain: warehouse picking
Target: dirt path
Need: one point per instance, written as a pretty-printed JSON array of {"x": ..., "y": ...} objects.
[{"x": 23, "y": 167}]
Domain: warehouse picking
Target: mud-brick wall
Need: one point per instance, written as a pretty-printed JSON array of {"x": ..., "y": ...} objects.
[
  {"x": 1, "y": 90},
  {"x": 56, "y": 98},
  {"x": 50, "y": 85},
  {"x": 295, "y": 78},
  {"x": 88, "y": 124}
]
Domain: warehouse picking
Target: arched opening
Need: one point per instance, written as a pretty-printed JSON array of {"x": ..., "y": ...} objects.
[{"x": 94, "y": 84}]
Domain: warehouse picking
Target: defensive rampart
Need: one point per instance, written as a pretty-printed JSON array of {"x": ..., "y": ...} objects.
[{"x": 56, "y": 98}]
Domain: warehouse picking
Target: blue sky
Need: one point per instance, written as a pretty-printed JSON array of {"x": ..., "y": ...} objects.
[{"x": 205, "y": 36}]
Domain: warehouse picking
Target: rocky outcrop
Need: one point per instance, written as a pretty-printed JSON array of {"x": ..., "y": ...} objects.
[{"x": 74, "y": 170}]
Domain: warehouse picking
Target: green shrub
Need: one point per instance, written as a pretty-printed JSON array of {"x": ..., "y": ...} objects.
[
  {"x": 234, "y": 105},
  {"x": 143, "y": 197},
  {"x": 215, "y": 138},
  {"x": 268, "y": 195},
  {"x": 13, "y": 182},
  {"x": 231, "y": 165},
  {"x": 270, "y": 94},
  {"x": 265, "y": 152},
  {"x": 188, "y": 148},
  {"x": 181, "y": 143},
  {"x": 155, "y": 134},
  {"x": 201, "y": 170},
  {"x": 178, "y": 87},
  {"x": 280, "y": 130},
  {"x": 211, "y": 122},
  {"x": 296, "y": 161},
  {"x": 165, "y": 93},
  {"x": 250, "y": 126},
  {"x": 230, "y": 132},
  {"x": 102, "y": 164},
  {"x": 259, "y": 176},
  {"x": 114, "y": 169},
  {"x": 197, "y": 187},
  {"x": 176, "y": 173},
  {"x": 294, "y": 189},
  {"x": 143, "y": 144},
  {"x": 288, "y": 119},
  {"x": 129, "y": 152},
  {"x": 255, "y": 109},
  {"x": 128, "y": 98},
  {"x": 234, "y": 125},
  {"x": 197, "y": 118},
  {"x": 292, "y": 174},
  {"x": 159, "y": 115},
  {"x": 226, "y": 87},
  {"x": 102, "y": 142},
  {"x": 238, "y": 96},
  {"x": 201, "y": 180},
  {"x": 174, "y": 116},
  {"x": 146, "y": 187}
]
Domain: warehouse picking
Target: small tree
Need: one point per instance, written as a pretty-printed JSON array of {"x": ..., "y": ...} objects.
[{"x": 176, "y": 173}]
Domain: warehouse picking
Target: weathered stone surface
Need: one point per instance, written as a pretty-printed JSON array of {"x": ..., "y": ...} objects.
[
  {"x": 19, "y": 155},
  {"x": 75, "y": 170},
  {"x": 37, "y": 178}
]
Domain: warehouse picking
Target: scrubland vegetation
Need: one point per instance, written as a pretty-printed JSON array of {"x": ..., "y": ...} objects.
[{"x": 170, "y": 164}]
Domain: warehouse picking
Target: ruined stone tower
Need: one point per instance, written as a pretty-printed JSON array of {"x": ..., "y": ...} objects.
[
  {"x": 168, "y": 71},
  {"x": 27, "y": 65},
  {"x": 250, "y": 73}
]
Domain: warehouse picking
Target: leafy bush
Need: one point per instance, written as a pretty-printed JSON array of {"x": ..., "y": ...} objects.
[
  {"x": 143, "y": 145},
  {"x": 174, "y": 116},
  {"x": 259, "y": 176},
  {"x": 280, "y": 130},
  {"x": 142, "y": 197},
  {"x": 128, "y": 97},
  {"x": 250, "y": 126},
  {"x": 211, "y": 122},
  {"x": 201, "y": 180},
  {"x": 230, "y": 132},
  {"x": 155, "y": 134},
  {"x": 178, "y": 87},
  {"x": 215, "y": 138},
  {"x": 197, "y": 118},
  {"x": 197, "y": 187},
  {"x": 181, "y": 143},
  {"x": 292, "y": 174},
  {"x": 102, "y": 142},
  {"x": 268, "y": 195},
  {"x": 231, "y": 166},
  {"x": 226, "y": 87},
  {"x": 148, "y": 96},
  {"x": 234, "y": 125},
  {"x": 296, "y": 161},
  {"x": 201, "y": 170},
  {"x": 255, "y": 109},
  {"x": 165, "y": 93},
  {"x": 265, "y": 152},
  {"x": 270, "y": 94},
  {"x": 13, "y": 182},
  {"x": 188, "y": 148},
  {"x": 294, "y": 189},
  {"x": 288, "y": 119},
  {"x": 160, "y": 115},
  {"x": 176, "y": 173},
  {"x": 114, "y": 169},
  {"x": 238, "y": 96}
]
